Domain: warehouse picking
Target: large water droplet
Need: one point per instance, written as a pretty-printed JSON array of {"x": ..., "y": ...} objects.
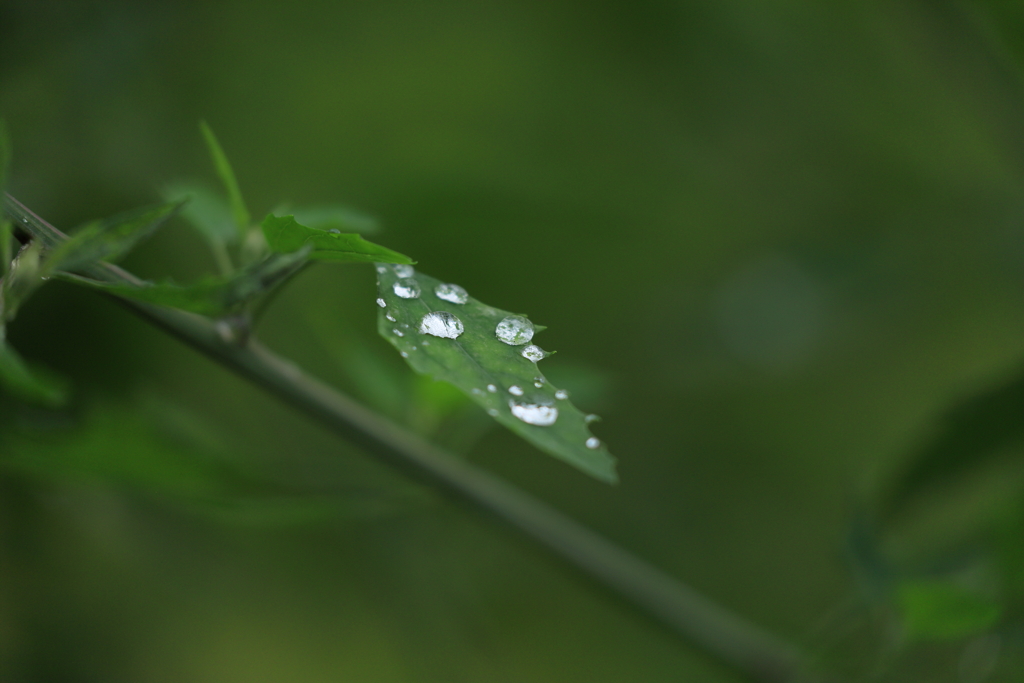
[
  {"x": 382, "y": 303},
  {"x": 593, "y": 442},
  {"x": 534, "y": 413},
  {"x": 533, "y": 352},
  {"x": 515, "y": 391},
  {"x": 452, "y": 293},
  {"x": 441, "y": 324},
  {"x": 407, "y": 288},
  {"x": 514, "y": 330},
  {"x": 561, "y": 394},
  {"x": 402, "y": 270}
]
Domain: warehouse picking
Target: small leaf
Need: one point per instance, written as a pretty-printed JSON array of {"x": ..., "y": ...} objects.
[
  {"x": 934, "y": 609},
  {"x": 970, "y": 434},
  {"x": 205, "y": 210},
  {"x": 284, "y": 234},
  {"x": 335, "y": 217},
  {"x": 34, "y": 386},
  {"x": 495, "y": 375},
  {"x": 212, "y": 296},
  {"x": 227, "y": 176},
  {"x": 108, "y": 239}
]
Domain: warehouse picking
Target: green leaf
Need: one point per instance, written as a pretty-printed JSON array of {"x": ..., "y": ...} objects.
[
  {"x": 108, "y": 239},
  {"x": 934, "y": 609},
  {"x": 205, "y": 210},
  {"x": 970, "y": 434},
  {"x": 284, "y": 234},
  {"x": 227, "y": 176},
  {"x": 477, "y": 360},
  {"x": 35, "y": 386},
  {"x": 212, "y": 296},
  {"x": 335, "y": 217}
]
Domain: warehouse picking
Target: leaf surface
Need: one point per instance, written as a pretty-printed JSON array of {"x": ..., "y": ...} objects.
[
  {"x": 227, "y": 176},
  {"x": 212, "y": 296},
  {"x": 477, "y": 361},
  {"x": 284, "y": 234}
]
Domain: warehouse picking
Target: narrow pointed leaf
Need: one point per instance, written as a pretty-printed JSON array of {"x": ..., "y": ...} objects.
[
  {"x": 284, "y": 234},
  {"x": 110, "y": 238},
  {"x": 213, "y": 296},
  {"x": 476, "y": 359},
  {"x": 30, "y": 385},
  {"x": 227, "y": 176}
]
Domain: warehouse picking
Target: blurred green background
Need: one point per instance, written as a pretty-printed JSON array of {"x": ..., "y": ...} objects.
[{"x": 773, "y": 242}]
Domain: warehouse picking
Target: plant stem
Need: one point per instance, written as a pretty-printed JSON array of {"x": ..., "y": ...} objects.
[{"x": 742, "y": 645}]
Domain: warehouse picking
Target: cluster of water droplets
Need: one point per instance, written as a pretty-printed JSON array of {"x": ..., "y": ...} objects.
[{"x": 514, "y": 330}]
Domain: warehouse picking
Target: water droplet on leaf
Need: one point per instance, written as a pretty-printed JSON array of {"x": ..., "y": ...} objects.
[
  {"x": 407, "y": 288},
  {"x": 441, "y": 324},
  {"x": 452, "y": 293},
  {"x": 402, "y": 270},
  {"x": 593, "y": 442},
  {"x": 515, "y": 391},
  {"x": 534, "y": 413},
  {"x": 538, "y": 384},
  {"x": 334, "y": 231},
  {"x": 491, "y": 388},
  {"x": 591, "y": 418},
  {"x": 403, "y": 354},
  {"x": 514, "y": 330},
  {"x": 398, "y": 332},
  {"x": 561, "y": 394},
  {"x": 532, "y": 352},
  {"x": 382, "y": 303},
  {"x": 492, "y": 412},
  {"x": 390, "y": 317}
]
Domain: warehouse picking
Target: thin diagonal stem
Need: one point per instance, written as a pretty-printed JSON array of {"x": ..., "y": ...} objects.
[{"x": 733, "y": 640}]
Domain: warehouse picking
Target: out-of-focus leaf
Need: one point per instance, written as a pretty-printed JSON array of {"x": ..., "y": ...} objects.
[
  {"x": 227, "y": 176},
  {"x": 968, "y": 436},
  {"x": 934, "y": 609},
  {"x": 110, "y": 238},
  {"x": 495, "y": 375},
  {"x": 205, "y": 210},
  {"x": 212, "y": 296},
  {"x": 33, "y": 385},
  {"x": 335, "y": 217},
  {"x": 284, "y": 234}
]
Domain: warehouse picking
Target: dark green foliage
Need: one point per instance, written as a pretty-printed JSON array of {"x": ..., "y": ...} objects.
[
  {"x": 33, "y": 385},
  {"x": 109, "y": 239},
  {"x": 968, "y": 436},
  {"x": 213, "y": 296},
  {"x": 284, "y": 234},
  {"x": 477, "y": 359}
]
